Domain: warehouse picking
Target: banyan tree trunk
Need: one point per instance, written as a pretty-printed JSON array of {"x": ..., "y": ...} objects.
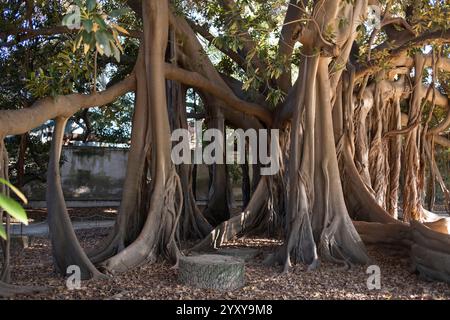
[
  {"x": 395, "y": 145},
  {"x": 218, "y": 207},
  {"x": 192, "y": 225},
  {"x": 130, "y": 217},
  {"x": 412, "y": 206},
  {"x": 157, "y": 237},
  {"x": 66, "y": 248},
  {"x": 317, "y": 219}
]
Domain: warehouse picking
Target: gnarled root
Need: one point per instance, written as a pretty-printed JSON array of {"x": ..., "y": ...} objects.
[
  {"x": 239, "y": 224},
  {"x": 430, "y": 253},
  {"x": 392, "y": 234},
  {"x": 158, "y": 235}
]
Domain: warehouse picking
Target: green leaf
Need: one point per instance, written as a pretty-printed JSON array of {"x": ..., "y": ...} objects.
[
  {"x": 15, "y": 190},
  {"x": 99, "y": 48},
  {"x": 13, "y": 208},
  {"x": 2, "y": 232},
  {"x": 91, "y": 4},
  {"x": 107, "y": 49},
  {"x": 87, "y": 37},
  {"x": 119, "y": 28},
  {"x": 102, "y": 24},
  {"x": 116, "y": 52},
  {"x": 102, "y": 38},
  {"x": 88, "y": 24}
]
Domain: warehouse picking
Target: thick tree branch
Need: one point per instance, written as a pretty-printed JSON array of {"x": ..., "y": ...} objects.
[
  {"x": 197, "y": 60},
  {"x": 204, "y": 32},
  {"x": 396, "y": 53},
  {"x": 289, "y": 36},
  {"x": 26, "y": 34},
  {"x": 443, "y": 141},
  {"x": 14, "y": 122},
  {"x": 198, "y": 81}
]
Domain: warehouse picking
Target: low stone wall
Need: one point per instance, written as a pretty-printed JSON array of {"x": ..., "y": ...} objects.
[
  {"x": 88, "y": 175},
  {"x": 94, "y": 176}
]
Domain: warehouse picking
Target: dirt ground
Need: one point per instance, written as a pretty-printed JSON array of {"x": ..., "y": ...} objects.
[{"x": 33, "y": 266}]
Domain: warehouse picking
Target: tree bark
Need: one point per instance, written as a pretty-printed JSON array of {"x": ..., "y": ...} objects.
[
  {"x": 412, "y": 207},
  {"x": 157, "y": 236},
  {"x": 66, "y": 249},
  {"x": 395, "y": 145},
  {"x": 5, "y": 245},
  {"x": 218, "y": 209}
]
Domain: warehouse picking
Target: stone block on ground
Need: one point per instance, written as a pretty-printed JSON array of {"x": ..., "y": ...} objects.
[{"x": 212, "y": 271}]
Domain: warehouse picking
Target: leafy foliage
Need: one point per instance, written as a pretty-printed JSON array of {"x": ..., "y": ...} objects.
[
  {"x": 12, "y": 207},
  {"x": 60, "y": 77},
  {"x": 96, "y": 30},
  {"x": 36, "y": 158}
]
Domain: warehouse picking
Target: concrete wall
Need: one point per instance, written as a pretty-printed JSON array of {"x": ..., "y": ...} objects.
[
  {"x": 92, "y": 173},
  {"x": 94, "y": 177},
  {"x": 90, "y": 176}
]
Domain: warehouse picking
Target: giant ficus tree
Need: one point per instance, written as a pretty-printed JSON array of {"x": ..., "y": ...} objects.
[{"x": 360, "y": 101}]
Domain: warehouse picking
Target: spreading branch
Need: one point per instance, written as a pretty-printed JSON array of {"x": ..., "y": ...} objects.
[
  {"x": 22, "y": 34},
  {"x": 203, "y": 30},
  {"x": 198, "y": 81},
  {"x": 374, "y": 64},
  {"x": 14, "y": 122}
]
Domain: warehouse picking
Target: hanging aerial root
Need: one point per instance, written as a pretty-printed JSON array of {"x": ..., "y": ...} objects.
[
  {"x": 240, "y": 224},
  {"x": 300, "y": 246},
  {"x": 192, "y": 224},
  {"x": 173, "y": 200},
  {"x": 66, "y": 248}
]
